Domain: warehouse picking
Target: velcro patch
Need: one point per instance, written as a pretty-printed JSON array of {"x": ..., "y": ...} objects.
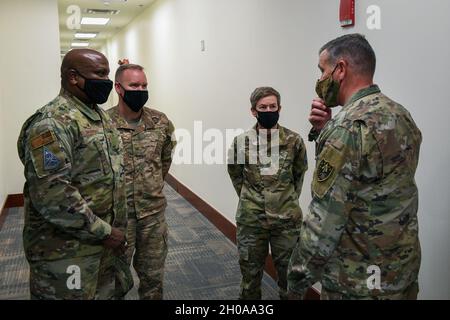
[
  {"x": 324, "y": 170},
  {"x": 331, "y": 161},
  {"x": 43, "y": 139},
  {"x": 50, "y": 160}
]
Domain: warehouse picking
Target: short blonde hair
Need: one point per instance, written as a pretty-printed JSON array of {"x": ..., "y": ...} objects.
[{"x": 124, "y": 67}]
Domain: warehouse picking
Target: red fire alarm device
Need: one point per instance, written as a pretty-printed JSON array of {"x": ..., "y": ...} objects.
[{"x": 347, "y": 13}]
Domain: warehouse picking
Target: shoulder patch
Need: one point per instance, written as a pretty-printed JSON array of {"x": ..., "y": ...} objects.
[
  {"x": 43, "y": 139},
  {"x": 324, "y": 170},
  {"x": 330, "y": 163},
  {"x": 50, "y": 160}
]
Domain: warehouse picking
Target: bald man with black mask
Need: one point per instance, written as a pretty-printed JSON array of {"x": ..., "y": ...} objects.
[{"x": 75, "y": 209}]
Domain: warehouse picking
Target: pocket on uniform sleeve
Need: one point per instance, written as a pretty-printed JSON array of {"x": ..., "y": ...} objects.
[
  {"x": 47, "y": 154},
  {"x": 329, "y": 164}
]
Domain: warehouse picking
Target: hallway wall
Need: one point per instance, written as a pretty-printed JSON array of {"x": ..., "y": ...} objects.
[
  {"x": 3, "y": 193},
  {"x": 265, "y": 42},
  {"x": 29, "y": 77}
]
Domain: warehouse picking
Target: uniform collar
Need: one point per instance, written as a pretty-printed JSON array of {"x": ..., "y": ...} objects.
[
  {"x": 363, "y": 93},
  {"x": 91, "y": 113},
  {"x": 121, "y": 123},
  {"x": 147, "y": 118},
  {"x": 281, "y": 132}
]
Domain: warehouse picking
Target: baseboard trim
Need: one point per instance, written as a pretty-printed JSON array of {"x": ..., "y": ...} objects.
[
  {"x": 215, "y": 217},
  {"x": 224, "y": 225},
  {"x": 12, "y": 201}
]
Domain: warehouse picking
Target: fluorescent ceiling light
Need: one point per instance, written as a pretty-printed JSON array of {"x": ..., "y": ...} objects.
[
  {"x": 102, "y": 11},
  {"x": 96, "y": 21},
  {"x": 80, "y": 44},
  {"x": 82, "y": 35}
]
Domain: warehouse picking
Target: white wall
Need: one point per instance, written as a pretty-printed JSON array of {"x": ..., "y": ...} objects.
[
  {"x": 266, "y": 42},
  {"x": 29, "y": 77},
  {"x": 3, "y": 193}
]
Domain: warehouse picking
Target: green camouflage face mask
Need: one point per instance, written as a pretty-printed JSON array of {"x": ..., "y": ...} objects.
[{"x": 328, "y": 90}]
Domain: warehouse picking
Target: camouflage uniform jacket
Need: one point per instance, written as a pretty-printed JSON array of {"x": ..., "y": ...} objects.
[
  {"x": 268, "y": 200},
  {"x": 147, "y": 157},
  {"x": 74, "y": 180},
  {"x": 364, "y": 204}
]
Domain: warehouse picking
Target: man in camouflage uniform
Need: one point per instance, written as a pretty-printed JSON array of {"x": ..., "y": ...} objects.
[
  {"x": 147, "y": 138},
  {"x": 75, "y": 209},
  {"x": 360, "y": 238},
  {"x": 268, "y": 190}
]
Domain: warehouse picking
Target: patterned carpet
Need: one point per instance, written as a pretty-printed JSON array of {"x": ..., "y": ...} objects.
[{"x": 202, "y": 263}]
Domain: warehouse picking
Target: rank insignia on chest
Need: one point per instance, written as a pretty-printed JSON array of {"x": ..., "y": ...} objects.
[
  {"x": 324, "y": 170},
  {"x": 50, "y": 160}
]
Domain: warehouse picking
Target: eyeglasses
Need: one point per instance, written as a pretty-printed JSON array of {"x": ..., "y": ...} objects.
[{"x": 265, "y": 107}]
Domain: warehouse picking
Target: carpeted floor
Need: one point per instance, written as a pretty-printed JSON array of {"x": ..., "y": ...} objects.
[{"x": 202, "y": 263}]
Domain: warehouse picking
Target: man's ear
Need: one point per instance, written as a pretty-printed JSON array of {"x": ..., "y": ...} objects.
[
  {"x": 279, "y": 108},
  {"x": 72, "y": 77},
  {"x": 254, "y": 112},
  {"x": 342, "y": 69},
  {"x": 117, "y": 87}
]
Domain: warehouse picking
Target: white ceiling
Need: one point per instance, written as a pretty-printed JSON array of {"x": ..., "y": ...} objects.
[{"x": 129, "y": 9}]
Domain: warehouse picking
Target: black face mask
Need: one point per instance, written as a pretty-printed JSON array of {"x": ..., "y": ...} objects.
[
  {"x": 268, "y": 120},
  {"x": 135, "y": 99},
  {"x": 97, "y": 90}
]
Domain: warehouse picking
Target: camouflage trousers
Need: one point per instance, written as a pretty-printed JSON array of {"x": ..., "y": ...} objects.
[
  {"x": 253, "y": 246},
  {"x": 79, "y": 278},
  {"x": 147, "y": 239},
  {"x": 409, "y": 294}
]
